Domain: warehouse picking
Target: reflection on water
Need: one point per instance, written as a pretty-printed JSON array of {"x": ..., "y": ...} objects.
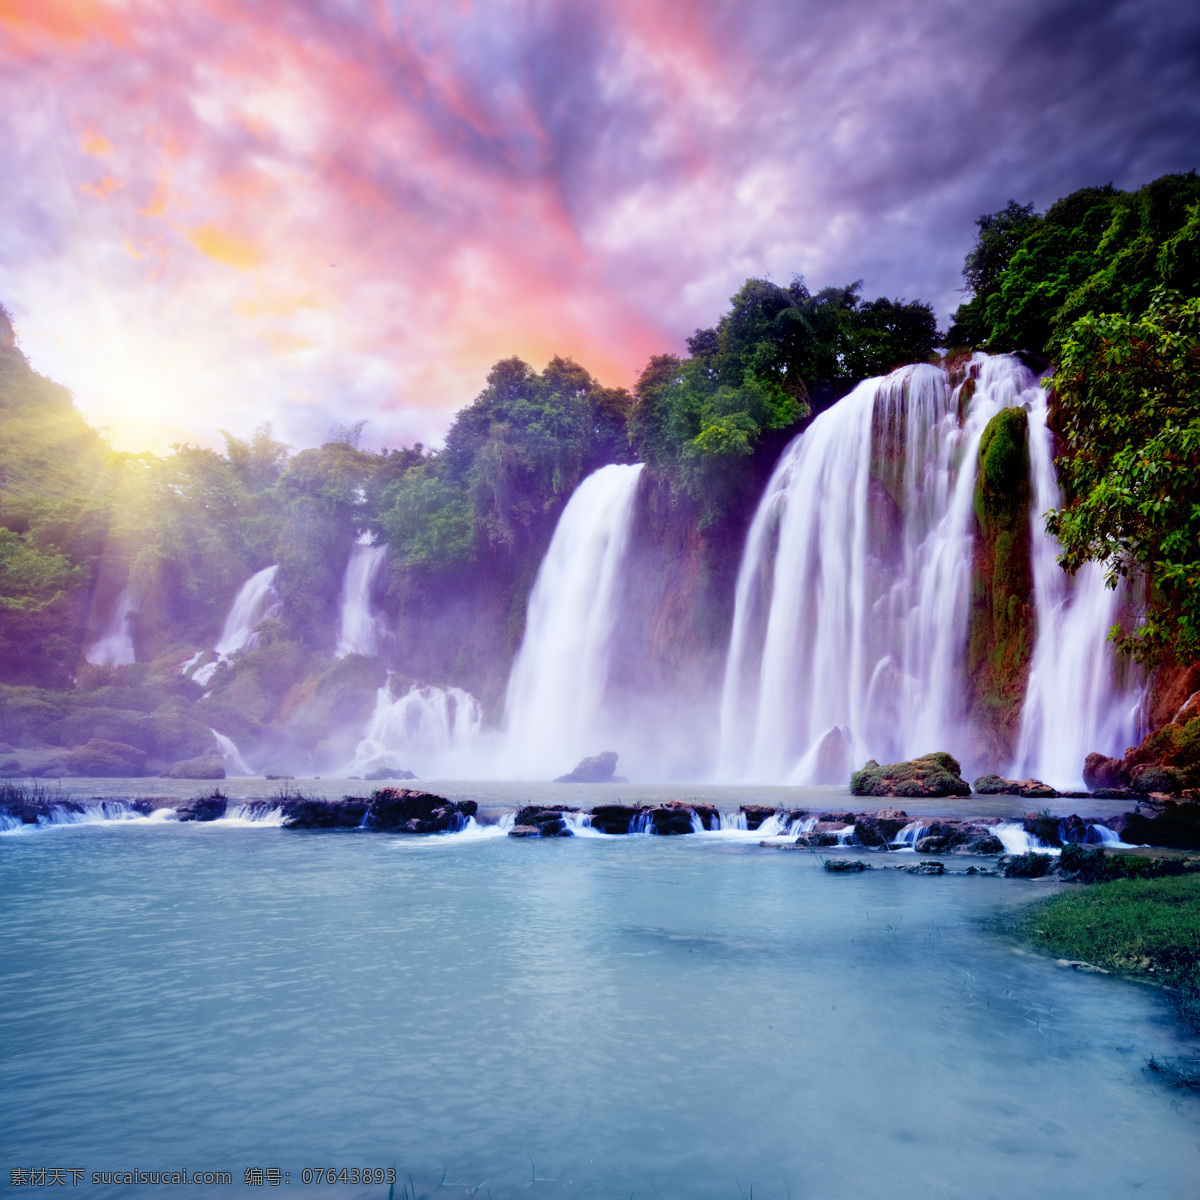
[{"x": 590, "y": 1017}]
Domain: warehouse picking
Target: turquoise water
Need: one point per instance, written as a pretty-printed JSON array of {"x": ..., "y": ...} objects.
[{"x": 593, "y": 1017}]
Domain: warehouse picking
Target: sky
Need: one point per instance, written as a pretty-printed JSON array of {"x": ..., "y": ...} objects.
[{"x": 225, "y": 212}]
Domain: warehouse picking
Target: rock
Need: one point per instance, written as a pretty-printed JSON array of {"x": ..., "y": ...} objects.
[
  {"x": 204, "y": 808},
  {"x": 1153, "y": 777},
  {"x": 313, "y": 813},
  {"x": 833, "y": 757},
  {"x": 987, "y": 843},
  {"x": 878, "y": 830},
  {"x": 839, "y": 865},
  {"x": 1026, "y": 866},
  {"x": 593, "y": 770},
  {"x": 841, "y": 818},
  {"x": 279, "y": 777},
  {"x": 893, "y": 814},
  {"x": 709, "y": 814},
  {"x": 813, "y": 838},
  {"x": 1043, "y": 827},
  {"x": 401, "y": 810},
  {"x": 1177, "y": 826},
  {"x": 106, "y": 759},
  {"x": 931, "y": 845},
  {"x": 1031, "y": 789},
  {"x": 525, "y": 831},
  {"x": 672, "y": 818},
  {"x": 207, "y": 766},
  {"x": 936, "y": 774},
  {"x": 387, "y": 773},
  {"x": 614, "y": 818},
  {"x": 545, "y": 822},
  {"x": 1100, "y": 771},
  {"x": 931, "y": 867},
  {"x": 11, "y": 769},
  {"x": 756, "y": 814}
]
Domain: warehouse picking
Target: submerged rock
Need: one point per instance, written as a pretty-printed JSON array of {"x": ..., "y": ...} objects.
[
  {"x": 600, "y": 769},
  {"x": 1030, "y": 789},
  {"x": 931, "y": 867},
  {"x": 841, "y": 865},
  {"x": 401, "y": 810},
  {"x": 937, "y": 774}
]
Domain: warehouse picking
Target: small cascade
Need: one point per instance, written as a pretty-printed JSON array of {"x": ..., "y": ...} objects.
[
  {"x": 428, "y": 730},
  {"x": 1016, "y": 839},
  {"x": 1076, "y": 701},
  {"x": 852, "y": 600},
  {"x": 556, "y": 691},
  {"x": 232, "y": 755},
  {"x": 642, "y": 823},
  {"x": 257, "y": 601},
  {"x": 359, "y": 630},
  {"x": 114, "y": 647}
]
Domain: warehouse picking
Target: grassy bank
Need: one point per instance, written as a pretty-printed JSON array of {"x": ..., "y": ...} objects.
[{"x": 1147, "y": 928}]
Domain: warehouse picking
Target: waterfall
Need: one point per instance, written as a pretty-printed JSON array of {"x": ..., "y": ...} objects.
[
  {"x": 231, "y": 754},
  {"x": 114, "y": 646},
  {"x": 428, "y": 730},
  {"x": 852, "y": 600},
  {"x": 1076, "y": 701},
  {"x": 359, "y": 631},
  {"x": 555, "y": 699},
  {"x": 256, "y": 601}
]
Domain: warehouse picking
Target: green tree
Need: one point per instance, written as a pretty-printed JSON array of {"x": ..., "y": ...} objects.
[{"x": 1127, "y": 404}]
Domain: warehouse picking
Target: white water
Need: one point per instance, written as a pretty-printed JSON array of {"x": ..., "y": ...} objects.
[
  {"x": 256, "y": 601},
  {"x": 555, "y": 703},
  {"x": 851, "y": 610},
  {"x": 427, "y": 730},
  {"x": 359, "y": 630},
  {"x": 1075, "y": 701},
  {"x": 232, "y": 755},
  {"x": 114, "y": 647}
]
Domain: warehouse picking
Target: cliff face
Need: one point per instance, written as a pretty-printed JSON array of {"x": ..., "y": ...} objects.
[{"x": 1001, "y": 630}]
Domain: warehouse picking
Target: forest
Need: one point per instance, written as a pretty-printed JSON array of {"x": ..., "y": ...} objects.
[{"x": 1103, "y": 289}]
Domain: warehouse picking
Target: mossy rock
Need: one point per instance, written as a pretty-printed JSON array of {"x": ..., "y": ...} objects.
[
  {"x": 106, "y": 759},
  {"x": 937, "y": 774}
]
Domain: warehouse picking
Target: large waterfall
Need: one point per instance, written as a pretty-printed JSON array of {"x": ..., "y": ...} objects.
[
  {"x": 555, "y": 700},
  {"x": 114, "y": 646},
  {"x": 256, "y": 600},
  {"x": 1077, "y": 700},
  {"x": 853, "y": 597},
  {"x": 360, "y": 631}
]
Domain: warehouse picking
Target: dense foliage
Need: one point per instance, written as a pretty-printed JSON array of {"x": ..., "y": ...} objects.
[
  {"x": 1128, "y": 408},
  {"x": 1098, "y": 250}
]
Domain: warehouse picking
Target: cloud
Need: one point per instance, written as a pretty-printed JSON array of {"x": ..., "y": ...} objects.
[{"x": 224, "y": 213}]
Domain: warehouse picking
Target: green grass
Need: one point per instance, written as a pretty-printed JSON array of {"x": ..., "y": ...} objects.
[{"x": 1147, "y": 928}]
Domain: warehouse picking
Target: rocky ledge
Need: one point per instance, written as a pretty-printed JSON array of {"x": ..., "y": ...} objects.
[{"x": 937, "y": 774}]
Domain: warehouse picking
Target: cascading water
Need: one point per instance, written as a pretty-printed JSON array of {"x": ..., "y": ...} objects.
[
  {"x": 359, "y": 630},
  {"x": 427, "y": 730},
  {"x": 555, "y": 700},
  {"x": 231, "y": 754},
  {"x": 853, "y": 595},
  {"x": 1076, "y": 700},
  {"x": 256, "y": 601},
  {"x": 114, "y": 647}
]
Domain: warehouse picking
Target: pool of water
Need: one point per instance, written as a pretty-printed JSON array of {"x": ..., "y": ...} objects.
[{"x": 598, "y": 1017}]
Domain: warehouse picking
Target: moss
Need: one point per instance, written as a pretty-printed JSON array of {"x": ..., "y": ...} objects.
[
  {"x": 937, "y": 774},
  {"x": 1149, "y": 928},
  {"x": 1000, "y": 634}
]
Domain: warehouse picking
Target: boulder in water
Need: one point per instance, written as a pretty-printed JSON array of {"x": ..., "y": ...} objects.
[
  {"x": 832, "y": 763},
  {"x": 878, "y": 830},
  {"x": 600, "y": 769},
  {"x": 305, "y": 812},
  {"x": 841, "y": 866},
  {"x": 533, "y": 821},
  {"x": 996, "y": 785},
  {"x": 106, "y": 759},
  {"x": 210, "y": 807},
  {"x": 935, "y": 774},
  {"x": 615, "y": 818},
  {"x": 401, "y": 810},
  {"x": 756, "y": 814},
  {"x": 1030, "y": 865},
  {"x": 206, "y": 766},
  {"x": 1176, "y": 825},
  {"x": 1101, "y": 771},
  {"x": 672, "y": 818},
  {"x": 383, "y": 773}
]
